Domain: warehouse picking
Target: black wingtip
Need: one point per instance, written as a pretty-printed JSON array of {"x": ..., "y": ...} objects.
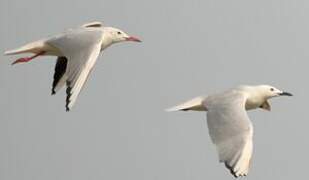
[
  {"x": 231, "y": 169},
  {"x": 60, "y": 69},
  {"x": 68, "y": 91}
]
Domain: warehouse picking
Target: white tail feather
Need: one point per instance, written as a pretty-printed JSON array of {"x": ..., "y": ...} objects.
[
  {"x": 33, "y": 47},
  {"x": 13, "y": 51},
  {"x": 195, "y": 104}
]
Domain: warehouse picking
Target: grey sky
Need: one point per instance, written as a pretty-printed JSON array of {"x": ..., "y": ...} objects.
[{"x": 118, "y": 129}]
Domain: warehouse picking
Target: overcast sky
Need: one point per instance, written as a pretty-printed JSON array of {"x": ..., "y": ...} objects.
[{"x": 118, "y": 128}]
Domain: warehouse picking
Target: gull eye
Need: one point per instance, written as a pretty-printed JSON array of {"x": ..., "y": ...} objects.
[
  {"x": 118, "y": 32},
  {"x": 271, "y": 89}
]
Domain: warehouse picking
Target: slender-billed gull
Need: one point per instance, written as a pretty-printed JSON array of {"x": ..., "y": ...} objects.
[
  {"x": 229, "y": 126},
  {"x": 77, "y": 51}
]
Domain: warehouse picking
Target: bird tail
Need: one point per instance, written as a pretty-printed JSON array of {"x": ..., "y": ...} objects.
[
  {"x": 33, "y": 47},
  {"x": 195, "y": 104}
]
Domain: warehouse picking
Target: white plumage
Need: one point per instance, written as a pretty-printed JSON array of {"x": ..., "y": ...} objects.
[
  {"x": 229, "y": 126},
  {"x": 77, "y": 51}
]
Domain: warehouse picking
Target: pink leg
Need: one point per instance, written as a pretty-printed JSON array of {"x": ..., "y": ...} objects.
[{"x": 27, "y": 59}]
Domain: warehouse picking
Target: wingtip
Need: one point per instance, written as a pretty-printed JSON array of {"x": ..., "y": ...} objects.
[
  {"x": 230, "y": 168},
  {"x": 93, "y": 24},
  {"x": 67, "y": 106},
  {"x": 234, "y": 173},
  {"x": 68, "y": 101}
]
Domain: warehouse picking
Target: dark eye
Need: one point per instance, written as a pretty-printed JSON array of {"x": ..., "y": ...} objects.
[
  {"x": 271, "y": 89},
  {"x": 118, "y": 32}
]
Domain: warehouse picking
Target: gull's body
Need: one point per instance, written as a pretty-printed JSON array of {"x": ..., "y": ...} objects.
[
  {"x": 77, "y": 50},
  {"x": 229, "y": 126}
]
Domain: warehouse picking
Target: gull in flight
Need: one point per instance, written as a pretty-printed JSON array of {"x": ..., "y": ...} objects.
[
  {"x": 229, "y": 126},
  {"x": 77, "y": 51}
]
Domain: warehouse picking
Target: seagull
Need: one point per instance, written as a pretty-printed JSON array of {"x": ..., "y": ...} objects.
[
  {"x": 77, "y": 50},
  {"x": 229, "y": 126}
]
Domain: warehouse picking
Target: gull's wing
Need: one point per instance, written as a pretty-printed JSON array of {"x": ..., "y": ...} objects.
[
  {"x": 81, "y": 47},
  {"x": 59, "y": 78},
  {"x": 231, "y": 130},
  {"x": 93, "y": 24}
]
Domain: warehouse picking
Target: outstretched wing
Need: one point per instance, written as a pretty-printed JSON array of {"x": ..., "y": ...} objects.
[
  {"x": 81, "y": 47},
  {"x": 231, "y": 130}
]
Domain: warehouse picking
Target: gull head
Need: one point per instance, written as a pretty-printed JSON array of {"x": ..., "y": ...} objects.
[
  {"x": 257, "y": 96},
  {"x": 117, "y": 35},
  {"x": 268, "y": 91}
]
